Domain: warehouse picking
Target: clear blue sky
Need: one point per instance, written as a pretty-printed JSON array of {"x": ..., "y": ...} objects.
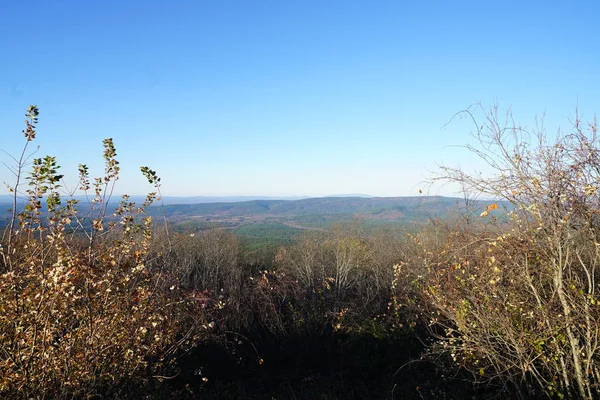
[{"x": 285, "y": 97}]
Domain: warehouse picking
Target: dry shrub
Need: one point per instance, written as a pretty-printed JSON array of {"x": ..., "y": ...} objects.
[
  {"x": 208, "y": 261},
  {"x": 419, "y": 251},
  {"x": 80, "y": 313},
  {"x": 339, "y": 258},
  {"x": 208, "y": 264},
  {"x": 342, "y": 279},
  {"x": 517, "y": 305},
  {"x": 271, "y": 301},
  {"x": 388, "y": 247}
]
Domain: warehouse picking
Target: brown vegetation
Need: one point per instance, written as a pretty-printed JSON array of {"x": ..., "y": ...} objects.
[
  {"x": 80, "y": 313},
  {"x": 96, "y": 302},
  {"x": 517, "y": 301}
]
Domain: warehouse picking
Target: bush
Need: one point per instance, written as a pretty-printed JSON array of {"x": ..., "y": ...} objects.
[
  {"x": 517, "y": 303},
  {"x": 343, "y": 277},
  {"x": 208, "y": 261},
  {"x": 80, "y": 313}
]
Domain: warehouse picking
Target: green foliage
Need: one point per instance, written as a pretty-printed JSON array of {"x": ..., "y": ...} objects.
[{"x": 257, "y": 236}]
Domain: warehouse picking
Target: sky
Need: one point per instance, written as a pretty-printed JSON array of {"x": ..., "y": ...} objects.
[{"x": 285, "y": 98}]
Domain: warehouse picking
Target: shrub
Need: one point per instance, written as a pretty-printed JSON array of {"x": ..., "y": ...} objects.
[
  {"x": 209, "y": 261},
  {"x": 517, "y": 304},
  {"x": 343, "y": 280},
  {"x": 80, "y": 313}
]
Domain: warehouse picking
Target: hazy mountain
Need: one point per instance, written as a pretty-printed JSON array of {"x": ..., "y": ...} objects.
[
  {"x": 7, "y": 199},
  {"x": 223, "y": 199},
  {"x": 244, "y": 205},
  {"x": 307, "y": 213},
  {"x": 371, "y": 207}
]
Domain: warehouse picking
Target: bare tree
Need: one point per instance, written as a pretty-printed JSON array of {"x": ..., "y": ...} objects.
[{"x": 518, "y": 303}]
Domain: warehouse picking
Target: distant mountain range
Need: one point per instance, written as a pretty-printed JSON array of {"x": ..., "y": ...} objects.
[
  {"x": 304, "y": 213},
  {"x": 6, "y": 199},
  {"x": 319, "y": 205},
  {"x": 407, "y": 209}
]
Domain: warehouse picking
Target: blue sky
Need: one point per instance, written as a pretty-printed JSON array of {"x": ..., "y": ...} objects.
[{"x": 285, "y": 97}]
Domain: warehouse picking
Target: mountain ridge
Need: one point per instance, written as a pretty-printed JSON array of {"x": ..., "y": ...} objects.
[{"x": 402, "y": 207}]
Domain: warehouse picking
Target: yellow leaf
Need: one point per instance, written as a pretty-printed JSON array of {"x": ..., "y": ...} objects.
[{"x": 97, "y": 224}]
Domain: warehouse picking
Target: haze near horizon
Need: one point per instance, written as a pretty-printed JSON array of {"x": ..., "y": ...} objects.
[{"x": 281, "y": 98}]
